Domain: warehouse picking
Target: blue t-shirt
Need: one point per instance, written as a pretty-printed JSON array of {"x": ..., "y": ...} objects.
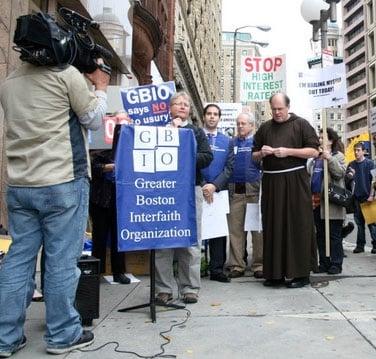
[
  {"x": 317, "y": 175},
  {"x": 362, "y": 178},
  {"x": 219, "y": 145},
  {"x": 245, "y": 169}
]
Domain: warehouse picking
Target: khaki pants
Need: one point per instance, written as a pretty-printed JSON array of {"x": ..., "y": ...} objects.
[
  {"x": 188, "y": 260},
  {"x": 236, "y": 219}
]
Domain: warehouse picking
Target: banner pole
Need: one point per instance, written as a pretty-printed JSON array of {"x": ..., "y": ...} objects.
[{"x": 326, "y": 185}]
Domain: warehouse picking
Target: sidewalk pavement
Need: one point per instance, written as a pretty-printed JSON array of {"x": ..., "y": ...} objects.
[{"x": 334, "y": 317}]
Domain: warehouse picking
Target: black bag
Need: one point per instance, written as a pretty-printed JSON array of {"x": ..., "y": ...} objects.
[{"x": 340, "y": 196}]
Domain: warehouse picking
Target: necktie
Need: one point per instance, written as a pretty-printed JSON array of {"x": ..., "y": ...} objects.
[{"x": 210, "y": 139}]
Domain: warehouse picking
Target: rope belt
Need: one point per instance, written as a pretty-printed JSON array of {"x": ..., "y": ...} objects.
[{"x": 284, "y": 171}]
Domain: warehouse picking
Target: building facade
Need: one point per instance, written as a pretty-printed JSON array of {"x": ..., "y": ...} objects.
[
  {"x": 370, "y": 7},
  {"x": 260, "y": 110},
  {"x": 197, "y": 51},
  {"x": 355, "y": 55}
]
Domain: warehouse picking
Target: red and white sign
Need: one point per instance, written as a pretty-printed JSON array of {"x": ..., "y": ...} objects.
[
  {"x": 109, "y": 123},
  {"x": 261, "y": 77},
  {"x": 327, "y": 57}
]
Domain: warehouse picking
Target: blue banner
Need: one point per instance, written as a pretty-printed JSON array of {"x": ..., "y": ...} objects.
[
  {"x": 155, "y": 188},
  {"x": 149, "y": 105}
]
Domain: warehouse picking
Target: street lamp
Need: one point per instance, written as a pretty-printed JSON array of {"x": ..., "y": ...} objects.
[
  {"x": 259, "y": 43},
  {"x": 317, "y": 13}
]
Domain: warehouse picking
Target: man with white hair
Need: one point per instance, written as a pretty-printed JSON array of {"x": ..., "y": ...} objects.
[{"x": 244, "y": 188}]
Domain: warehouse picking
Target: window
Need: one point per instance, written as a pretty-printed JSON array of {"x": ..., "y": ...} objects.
[
  {"x": 371, "y": 44},
  {"x": 372, "y": 77},
  {"x": 370, "y": 13}
]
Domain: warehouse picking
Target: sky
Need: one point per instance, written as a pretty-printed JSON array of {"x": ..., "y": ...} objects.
[{"x": 290, "y": 35}]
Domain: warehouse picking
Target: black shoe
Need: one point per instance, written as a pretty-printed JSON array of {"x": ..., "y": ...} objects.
[
  {"x": 236, "y": 274},
  {"x": 121, "y": 278},
  {"x": 87, "y": 338},
  {"x": 273, "y": 282},
  {"x": 220, "y": 277},
  {"x": 322, "y": 269},
  {"x": 346, "y": 230},
  {"x": 298, "y": 282},
  {"x": 334, "y": 270},
  {"x": 373, "y": 250},
  {"x": 10, "y": 353},
  {"x": 258, "y": 274},
  {"x": 358, "y": 250}
]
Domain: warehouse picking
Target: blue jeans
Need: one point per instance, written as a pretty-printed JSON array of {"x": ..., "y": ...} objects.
[
  {"x": 360, "y": 222},
  {"x": 55, "y": 217},
  {"x": 336, "y": 247}
]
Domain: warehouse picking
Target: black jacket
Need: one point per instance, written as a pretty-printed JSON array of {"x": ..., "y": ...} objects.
[
  {"x": 102, "y": 191},
  {"x": 204, "y": 154}
]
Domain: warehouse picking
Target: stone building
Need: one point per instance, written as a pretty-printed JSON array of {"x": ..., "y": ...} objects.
[
  {"x": 370, "y": 8},
  {"x": 197, "y": 51},
  {"x": 355, "y": 55}
]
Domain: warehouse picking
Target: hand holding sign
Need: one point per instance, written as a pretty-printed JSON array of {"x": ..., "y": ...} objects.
[
  {"x": 109, "y": 167},
  {"x": 207, "y": 191}
]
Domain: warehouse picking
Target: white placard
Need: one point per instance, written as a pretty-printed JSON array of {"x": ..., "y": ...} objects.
[
  {"x": 253, "y": 218},
  {"x": 214, "y": 216},
  {"x": 323, "y": 88}
]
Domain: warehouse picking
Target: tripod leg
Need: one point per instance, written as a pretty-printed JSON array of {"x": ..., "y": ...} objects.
[
  {"x": 152, "y": 286},
  {"x": 151, "y": 303}
]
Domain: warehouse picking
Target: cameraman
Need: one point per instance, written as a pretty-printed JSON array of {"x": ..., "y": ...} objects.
[{"x": 47, "y": 113}]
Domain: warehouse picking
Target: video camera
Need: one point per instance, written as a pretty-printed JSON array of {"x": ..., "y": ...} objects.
[{"x": 43, "y": 42}]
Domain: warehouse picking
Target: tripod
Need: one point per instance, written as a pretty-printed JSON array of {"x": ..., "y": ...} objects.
[{"x": 151, "y": 303}]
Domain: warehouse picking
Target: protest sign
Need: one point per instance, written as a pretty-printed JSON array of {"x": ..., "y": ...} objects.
[
  {"x": 261, "y": 77},
  {"x": 103, "y": 137},
  {"x": 150, "y": 104},
  {"x": 324, "y": 87},
  {"x": 230, "y": 112},
  {"x": 327, "y": 58},
  {"x": 155, "y": 188}
]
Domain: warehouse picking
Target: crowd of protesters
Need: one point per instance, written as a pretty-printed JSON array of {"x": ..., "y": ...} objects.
[{"x": 48, "y": 201}]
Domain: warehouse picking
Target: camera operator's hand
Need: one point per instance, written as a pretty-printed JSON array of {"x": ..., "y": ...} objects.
[{"x": 99, "y": 78}]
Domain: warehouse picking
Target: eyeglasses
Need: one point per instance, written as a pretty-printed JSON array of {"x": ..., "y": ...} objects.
[{"x": 181, "y": 104}]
